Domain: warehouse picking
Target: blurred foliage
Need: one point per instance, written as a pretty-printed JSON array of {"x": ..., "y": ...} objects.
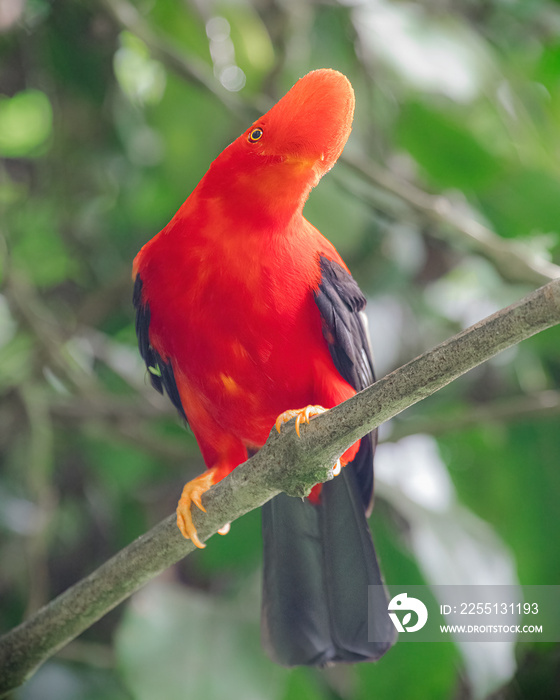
[{"x": 109, "y": 115}]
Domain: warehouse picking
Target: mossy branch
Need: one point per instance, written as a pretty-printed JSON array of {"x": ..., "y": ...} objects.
[{"x": 286, "y": 463}]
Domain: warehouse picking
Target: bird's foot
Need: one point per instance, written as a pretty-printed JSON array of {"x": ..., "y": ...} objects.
[
  {"x": 192, "y": 493},
  {"x": 302, "y": 415}
]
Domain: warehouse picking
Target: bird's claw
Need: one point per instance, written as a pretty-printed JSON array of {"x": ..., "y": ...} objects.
[
  {"x": 337, "y": 468},
  {"x": 192, "y": 493},
  {"x": 302, "y": 415}
]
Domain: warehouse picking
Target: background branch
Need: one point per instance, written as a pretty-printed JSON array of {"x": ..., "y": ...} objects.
[
  {"x": 285, "y": 463},
  {"x": 187, "y": 66},
  {"x": 514, "y": 260},
  {"x": 514, "y": 409}
]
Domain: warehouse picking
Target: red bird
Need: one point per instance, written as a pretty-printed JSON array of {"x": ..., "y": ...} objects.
[{"x": 246, "y": 312}]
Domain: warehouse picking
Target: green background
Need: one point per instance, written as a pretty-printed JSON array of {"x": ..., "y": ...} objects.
[{"x": 110, "y": 113}]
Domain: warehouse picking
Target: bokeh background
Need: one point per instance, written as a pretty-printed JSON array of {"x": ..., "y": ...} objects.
[{"x": 446, "y": 206}]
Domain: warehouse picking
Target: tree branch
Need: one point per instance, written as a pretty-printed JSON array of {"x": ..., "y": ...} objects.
[{"x": 286, "y": 463}]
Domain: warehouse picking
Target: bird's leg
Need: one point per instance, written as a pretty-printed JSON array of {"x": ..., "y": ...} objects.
[
  {"x": 303, "y": 415},
  {"x": 192, "y": 493},
  {"x": 223, "y": 452}
]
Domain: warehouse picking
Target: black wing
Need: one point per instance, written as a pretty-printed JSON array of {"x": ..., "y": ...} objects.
[
  {"x": 341, "y": 302},
  {"x": 341, "y": 305},
  {"x": 160, "y": 371}
]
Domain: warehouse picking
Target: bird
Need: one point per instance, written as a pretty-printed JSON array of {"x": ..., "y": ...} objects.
[{"x": 247, "y": 316}]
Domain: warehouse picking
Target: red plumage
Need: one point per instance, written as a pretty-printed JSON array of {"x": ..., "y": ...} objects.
[
  {"x": 244, "y": 309},
  {"x": 230, "y": 279}
]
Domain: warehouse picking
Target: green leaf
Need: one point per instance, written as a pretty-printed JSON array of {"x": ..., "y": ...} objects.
[
  {"x": 25, "y": 123},
  {"x": 141, "y": 78},
  {"x": 509, "y": 476},
  {"x": 524, "y": 202},
  {"x": 449, "y": 153},
  {"x": 411, "y": 671}
]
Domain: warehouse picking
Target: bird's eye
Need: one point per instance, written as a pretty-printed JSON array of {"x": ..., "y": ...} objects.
[{"x": 255, "y": 135}]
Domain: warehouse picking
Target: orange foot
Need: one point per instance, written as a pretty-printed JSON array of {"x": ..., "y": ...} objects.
[
  {"x": 192, "y": 493},
  {"x": 303, "y": 415}
]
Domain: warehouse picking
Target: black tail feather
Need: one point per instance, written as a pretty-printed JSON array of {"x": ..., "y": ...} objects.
[{"x": 318, "y": 563}]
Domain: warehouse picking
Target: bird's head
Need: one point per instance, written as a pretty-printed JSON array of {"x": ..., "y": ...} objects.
[
  {"x": 308, "y": 126},
  {"x": 284, "y": 154}
]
